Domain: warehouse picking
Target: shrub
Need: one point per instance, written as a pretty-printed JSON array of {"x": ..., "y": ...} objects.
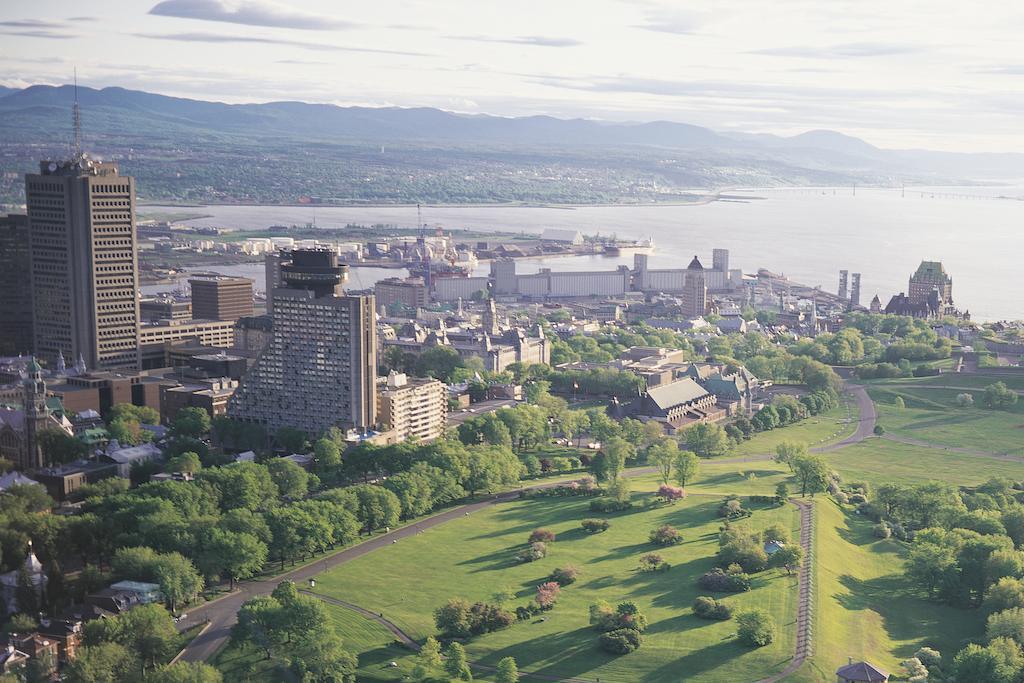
[
  {"x": 720, "y": 581},
  {"x": 841, "y": 498},
  {"x": 709, "y": 608},
  {"x": 670, "y": 494},
  {"x": 563, "y": 576},
  {"x": 593, "y": 526},
  {"x": 755, "y": 628},
  {"x": 732, "y": 507},
  {"x": 606, "y": 505},
  {"x": 486, "y": 618},
  {"x": 620, "y": 641},
  {"x": 547, "y": 594},
  {"x": 653, "y": 562},
  {"x": 857, "y": 498},
  {"x": 542, "y": 536},
  {"x": 882, "y": 530},
  {"x": 964, "y": 401},
  {"x": 603, "y": 617},
  {"x": 533, "y": 553},
  {"x": 745, "y": 552},
  {"x": 525, "y": 612},
  {"x": 929, "y": 657},
  {"x": 458, "y": 619},
  {"x": 666, "y": 535}
]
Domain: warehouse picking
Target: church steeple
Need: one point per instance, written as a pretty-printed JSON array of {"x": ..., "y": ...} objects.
[{"x": 491, "y": 318}]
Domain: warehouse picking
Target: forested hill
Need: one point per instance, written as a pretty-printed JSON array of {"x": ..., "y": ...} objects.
[{"x": 192, "y": 150}]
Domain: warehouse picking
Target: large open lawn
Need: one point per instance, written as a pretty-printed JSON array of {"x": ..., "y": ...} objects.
[
  {"x": 967, "y": 380},
  {"x": 879, "y": 461},
  {"x": 931, "y": 415},
  {"x": 472, "y": 558}
]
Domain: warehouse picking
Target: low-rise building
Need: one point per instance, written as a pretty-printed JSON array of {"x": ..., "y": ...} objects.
[
  {"x": 126, "y": 458},
  {"x": 212, "y": 395},
  {"x": 153, "y": 338},
  {"x": 412, "y": 407},
  {"x": 62, "y": 481}
]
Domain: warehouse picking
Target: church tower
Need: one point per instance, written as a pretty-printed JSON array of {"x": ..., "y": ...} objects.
[
  {"x": 491, "y": 319},
  {"x": 36, "y": 415}
]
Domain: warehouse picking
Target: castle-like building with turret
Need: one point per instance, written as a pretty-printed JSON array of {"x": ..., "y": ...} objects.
[{"x": 20, "y": 428}]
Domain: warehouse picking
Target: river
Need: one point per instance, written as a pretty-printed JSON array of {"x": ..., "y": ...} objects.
[{"x": 808, "y": 234}]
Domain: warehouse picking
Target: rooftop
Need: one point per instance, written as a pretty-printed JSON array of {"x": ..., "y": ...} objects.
[{"x": 682, "y": 391}]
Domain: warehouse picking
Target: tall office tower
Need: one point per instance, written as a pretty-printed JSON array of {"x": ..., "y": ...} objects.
[
  {"x": 221, "y": 298},
  {"x": 15, "y": 289},
  {"x": 695, "y": 290},
  {"x": 720, "y": 260},
  {"x": 272, "y": 270},
  {"x": 843, "y": 283},
  {"x": 855, "y": 289},
  {"x": 320, "y": 368},
  {"x": 84, "y": 253}
]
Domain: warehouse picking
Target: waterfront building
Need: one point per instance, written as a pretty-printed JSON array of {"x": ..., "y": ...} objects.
[
  {"x": 412, "y": 407},
  {"x": 15, "y": 287},
  {"x": 221, "y": 298},
  {"x": 84, "y": 255},
  {"x": 320, "y": 368},
  {"x": 854, "y": 290},
  {"x": 720, "y": 260},
  {"x": 930, "y": 277},
  {"x": 410, "y": 292}
]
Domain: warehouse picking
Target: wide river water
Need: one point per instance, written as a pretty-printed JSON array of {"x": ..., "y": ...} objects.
[{"x": 808, "y": 234}]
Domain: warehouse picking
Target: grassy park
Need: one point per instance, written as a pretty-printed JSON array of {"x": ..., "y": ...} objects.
[
  {"x": 864, "y": 606},
  {"x": 473, "y": 558}
]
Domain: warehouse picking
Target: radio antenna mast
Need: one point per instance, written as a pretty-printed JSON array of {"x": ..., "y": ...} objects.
[{"x": 76, "y": 120}]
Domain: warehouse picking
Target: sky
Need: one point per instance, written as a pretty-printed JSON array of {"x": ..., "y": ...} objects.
[{"x": 900, "y": 74}]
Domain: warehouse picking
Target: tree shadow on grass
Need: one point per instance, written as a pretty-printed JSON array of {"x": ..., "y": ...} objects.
[
  {"x": 499, "y": 559},
  {"x": 697, "y": 662},
  {"x": 624, "y": 551},
  {"x": 906, "y": 615},
  {"x": 565, "y": 654},
  {"x": 859, "y": 531},
  {"x": 381, "y": 657}
]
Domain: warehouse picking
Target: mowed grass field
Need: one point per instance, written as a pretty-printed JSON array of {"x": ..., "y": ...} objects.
[
  {"x": 865, "y": 608},
  {"x": 829, "y": 427},
  {"x": 472, "y": 558},
  {"x": 931, "y": 415},
  {"x": 878, "y": 461}
]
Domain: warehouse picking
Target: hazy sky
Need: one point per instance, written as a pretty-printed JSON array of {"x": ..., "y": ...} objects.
[{"x": 899, "y": 73}]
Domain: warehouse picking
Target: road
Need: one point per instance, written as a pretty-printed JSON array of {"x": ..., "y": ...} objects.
[
  {"x": 222, "y": 613},
  {"x": 457, "y": 417}
]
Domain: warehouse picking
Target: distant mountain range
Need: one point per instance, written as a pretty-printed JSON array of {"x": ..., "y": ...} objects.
[{"x": 39, "y": 117}]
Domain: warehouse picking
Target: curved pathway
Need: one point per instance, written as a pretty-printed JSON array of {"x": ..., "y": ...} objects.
[{"x": 221, "y": 613}]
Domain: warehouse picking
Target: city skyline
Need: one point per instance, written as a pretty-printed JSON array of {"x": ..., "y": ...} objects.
[{"x": 863, "y": 69}]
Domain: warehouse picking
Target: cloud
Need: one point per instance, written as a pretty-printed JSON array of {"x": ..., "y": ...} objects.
[
  {"x": 843, "y": 51},
  {"x": 250, "y": 13},
  {"x": 40, "y": 33},
  {"x": 224, "y": 38},
  {"x": 677, "y": 21},
  {"x": 1000, "y": 70},
  {"x": 539, "y": 41},
  {"x": 30, "y": 23}
]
